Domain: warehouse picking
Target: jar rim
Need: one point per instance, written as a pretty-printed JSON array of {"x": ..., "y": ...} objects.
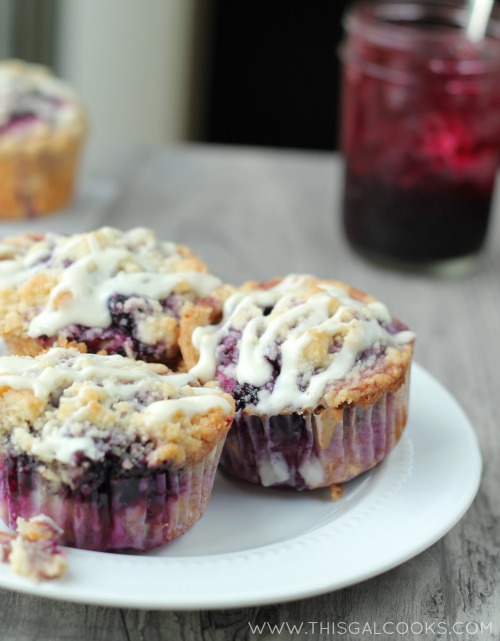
[{"x": 407, "y": 25}]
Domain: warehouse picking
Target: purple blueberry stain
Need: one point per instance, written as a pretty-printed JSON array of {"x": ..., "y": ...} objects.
[
  {"x": 394, "y": 326},
  {"x": 32, "y": 106},
  {"x": 228, "y": 349},
  {"x": 336, "y": 344},
  {"x": 172, "y": 306},
  {"x": 245, "y": 395},
  {"x": 121, "y": 336},
  {"x": 17, "y": 120}
]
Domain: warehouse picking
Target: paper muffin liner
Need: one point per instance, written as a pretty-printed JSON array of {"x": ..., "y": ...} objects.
[
  {"x": 38, "y": 180},
  {"x": 314, "y": 449},
  {"x": 139, "y": 511}
]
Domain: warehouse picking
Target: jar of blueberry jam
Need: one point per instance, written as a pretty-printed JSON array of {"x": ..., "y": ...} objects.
[{"x": 420, "y": 133}]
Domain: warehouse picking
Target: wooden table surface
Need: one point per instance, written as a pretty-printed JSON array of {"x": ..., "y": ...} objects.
[{"x": 254, "y": 214}]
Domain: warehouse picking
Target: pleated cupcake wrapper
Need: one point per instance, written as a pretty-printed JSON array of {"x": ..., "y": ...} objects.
[
  {"x": 38, "y": 178},
  {"x": 137, "y": 512},
  {"x": 314, "y": 449}
]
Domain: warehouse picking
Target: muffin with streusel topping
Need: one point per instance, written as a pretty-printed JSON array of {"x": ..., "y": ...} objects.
[
  {"x": 105, "y": 290},
  {"x": 119, "y": 453},
  {"x": 42, "y": 129},
  {"x": 319, "y": 372}
]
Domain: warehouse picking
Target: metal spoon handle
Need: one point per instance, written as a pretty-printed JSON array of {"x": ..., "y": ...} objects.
[{"x": 479, "y": 14}]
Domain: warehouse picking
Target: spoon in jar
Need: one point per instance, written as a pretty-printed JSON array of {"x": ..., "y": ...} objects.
[{"x": 477, "y": 23}]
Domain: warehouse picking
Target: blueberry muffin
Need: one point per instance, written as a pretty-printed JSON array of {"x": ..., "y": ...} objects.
[
  {"x": 121, "y": 454},
  {"x": 42, "y": 129},
  {"x": 319, "y": 373},
  {"x": 106, "y": 290}
]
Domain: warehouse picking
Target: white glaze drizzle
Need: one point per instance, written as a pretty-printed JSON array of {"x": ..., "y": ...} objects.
[
  {"x": 199, "y": 403},
  {"x": 105, "y": 262},
  {"x": 273, "y": 471},
  {"x": 122, "y": 378},
  {"x": 296, "y": 320},
  {"x": 312, "y": 471},
  {"x": 19, "y": 263}
]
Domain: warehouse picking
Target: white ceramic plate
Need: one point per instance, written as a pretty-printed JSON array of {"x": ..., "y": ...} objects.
[{"x": 256, "y": 546}]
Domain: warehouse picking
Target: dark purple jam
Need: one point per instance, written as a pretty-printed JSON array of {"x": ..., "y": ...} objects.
[
  {"x": 420, "y": 132},
  {"x": 414, "y": 224}
]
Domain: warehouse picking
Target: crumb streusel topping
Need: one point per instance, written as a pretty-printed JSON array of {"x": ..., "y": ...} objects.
[
  {"x": 66, "y": 409},
  {"x": 91, "y": 280},
  {"x": 300, "y": 342}
]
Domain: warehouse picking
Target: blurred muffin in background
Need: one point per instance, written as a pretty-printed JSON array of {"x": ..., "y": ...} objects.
[{"x": 42, "y": 127}]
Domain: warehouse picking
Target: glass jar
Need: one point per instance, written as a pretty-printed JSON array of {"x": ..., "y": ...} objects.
[{"x": 420, "y": 132}]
